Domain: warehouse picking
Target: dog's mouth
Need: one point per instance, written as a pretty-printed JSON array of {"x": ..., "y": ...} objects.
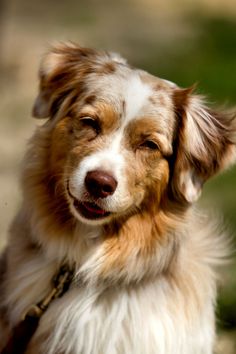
[{"x": 90, "y": 210}]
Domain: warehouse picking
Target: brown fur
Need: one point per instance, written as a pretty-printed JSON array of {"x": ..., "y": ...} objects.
[{"x": 148, "y": 238}]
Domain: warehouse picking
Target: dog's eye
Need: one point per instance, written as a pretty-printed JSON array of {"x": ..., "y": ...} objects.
[
  {"x": 91, "y": 123},
  {"x": 149, "y": 144}
]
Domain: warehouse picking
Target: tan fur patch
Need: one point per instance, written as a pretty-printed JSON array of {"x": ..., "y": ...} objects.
[
  {"x": 148, "y": 128},
  {"x": 109, "y": 118}
]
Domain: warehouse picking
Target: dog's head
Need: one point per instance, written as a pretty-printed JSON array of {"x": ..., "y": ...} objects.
[{"x": 123, "y": 140}]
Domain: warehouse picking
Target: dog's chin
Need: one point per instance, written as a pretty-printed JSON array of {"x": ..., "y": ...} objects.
[{"x": 89, "y": 212}]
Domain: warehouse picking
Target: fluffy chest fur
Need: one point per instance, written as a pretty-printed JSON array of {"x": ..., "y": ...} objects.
[
  {"x": 151, "y": 316},
  {"x": 135, "y": 320}
]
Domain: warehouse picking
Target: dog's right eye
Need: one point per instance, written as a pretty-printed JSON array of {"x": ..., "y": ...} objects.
[{"x": 91, "y": 123}]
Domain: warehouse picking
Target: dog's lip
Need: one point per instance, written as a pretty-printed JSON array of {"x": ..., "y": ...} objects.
[{"x": 88, "y": 209}]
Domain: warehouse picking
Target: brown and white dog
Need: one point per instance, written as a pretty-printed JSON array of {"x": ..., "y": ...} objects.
[{"x": 108, "y": 186}]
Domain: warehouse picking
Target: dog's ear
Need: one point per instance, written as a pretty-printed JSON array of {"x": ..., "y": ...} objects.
[
  {"x": 205, "y": 144},
  {"x": 61, "y": 72}
]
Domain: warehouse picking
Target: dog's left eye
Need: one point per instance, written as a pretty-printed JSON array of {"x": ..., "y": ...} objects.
[
  {"x": 149, "y": 144},
  {"x": 91, "y": 123}
]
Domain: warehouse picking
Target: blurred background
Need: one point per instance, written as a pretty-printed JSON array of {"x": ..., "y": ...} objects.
[{"x": 186, "y": 41}]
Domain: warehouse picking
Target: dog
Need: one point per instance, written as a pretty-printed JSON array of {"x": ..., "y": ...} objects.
[{"x": 109, "y": 185}]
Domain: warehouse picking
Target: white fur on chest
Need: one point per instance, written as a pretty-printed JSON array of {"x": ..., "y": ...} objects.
[
  {"x": 147, "y": 319},
  {"x": 161, "y": 316}
]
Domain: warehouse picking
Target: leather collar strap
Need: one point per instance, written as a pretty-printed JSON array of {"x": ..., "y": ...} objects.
[{"x": 25, "y": 329}]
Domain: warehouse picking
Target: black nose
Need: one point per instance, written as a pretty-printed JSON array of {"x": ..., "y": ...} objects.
[{"x": 100, "y": 184}]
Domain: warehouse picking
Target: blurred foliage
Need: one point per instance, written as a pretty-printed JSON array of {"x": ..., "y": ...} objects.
[{"x": 209, "y": 59}]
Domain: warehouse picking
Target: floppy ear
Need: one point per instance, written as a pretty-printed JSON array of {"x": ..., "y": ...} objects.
[
  {"x": 205, "y": 144},
  {"x": 61, "y": 73}
]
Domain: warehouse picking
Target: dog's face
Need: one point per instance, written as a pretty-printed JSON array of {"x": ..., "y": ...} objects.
[
  {"x": 123, "y": 140},
  {"x": 122, "y": 135}
]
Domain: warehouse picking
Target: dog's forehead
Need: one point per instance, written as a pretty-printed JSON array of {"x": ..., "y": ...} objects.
[{"x": 134, "y": 94}]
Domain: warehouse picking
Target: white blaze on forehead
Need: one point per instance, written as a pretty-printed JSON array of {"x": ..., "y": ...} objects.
[
  {"x": 125, "y": 85},
  {"x": 135, "y": 94}
]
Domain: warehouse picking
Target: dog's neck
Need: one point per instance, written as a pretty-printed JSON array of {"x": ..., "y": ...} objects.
[{"x": 111, "y": 254}]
